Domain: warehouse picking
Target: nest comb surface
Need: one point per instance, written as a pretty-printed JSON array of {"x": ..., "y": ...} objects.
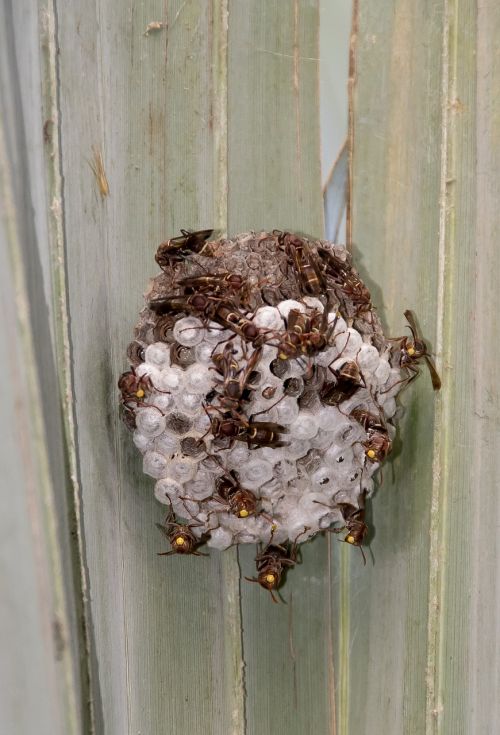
[{"x": 304, "y": 486}]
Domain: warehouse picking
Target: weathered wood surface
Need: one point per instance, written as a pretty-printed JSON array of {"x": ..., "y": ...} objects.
[
  {"x": 420, "y": 627},
  {"x": 209, "y": 120},
  {"x": 43, "y": 682}
]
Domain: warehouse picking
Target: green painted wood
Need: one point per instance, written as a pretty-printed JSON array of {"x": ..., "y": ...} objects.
[
  {"x": 274, "y": 180},
  {"x": 418, "y": 627},
  {"x": 171, "y": 110},
  {"x": 42, "y": 684}
]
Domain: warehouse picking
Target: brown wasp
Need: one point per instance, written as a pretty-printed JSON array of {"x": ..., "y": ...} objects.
[
  {"x": 181, "y": 538},
  {"x": 306, "y": 335},
  {"x": 378, "y": 445},
  {"x": 354, "y": 520},
  {"x": 213, "y": 283},
  {"x": 194, "y": 304},
  {"x": 134, "y": 389},
  {"x": 271, "y": 564},
  {"x": 346, "y": 283},
  {"x": 354, "y": 523},
  {"x": 304, "y": 260},
  {"x": 411, "y": 351},
  {"x": 254, "y": 433},
  {"x": 179, "y": 248},
  {"x": 236, "y": 381},
  {"x": 239, "y": 501},
  {"x": 229, "y": 317},
  {"x": 348, "y": 380}
]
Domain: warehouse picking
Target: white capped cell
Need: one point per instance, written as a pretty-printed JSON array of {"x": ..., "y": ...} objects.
[
  {"x": 327, "y": 357},
  {"x": 313, "y": 303},
  {"x": 296, "y": 448},
  {"x": 166, "y": 490},
  {"x": 167, "y": 443},
  {"x": 383, "y": 371},
  {"x": 255, "y": 472},
  {"x": 390, "y": 407},
  {"x": 323, "y": 440},
  {"x": 182, "y": 468},
  {"x": 158, "y": 355},
  {"x": 268, "y": 317},
  {"x": 188, "y": 331},
  {"x": 199, "y": 379},
  {"x": 150, "y": 421},
  {"x": 150, "y": 370},
  {"x": 189, "y": 403},
  {"x": 220, "y": 538},
  {"x": 353, "y": 342},
  {"x": 340, "y": 325},
  {"x": 171, "y": 379},
  {"x": 305, "y": 426},
  {"x": 203, "y": 352},
  {"x": 201, "y": 486},
  {"x": 155, "y": 464},
  {"x": 285, "y": 307},
  {"x": 238, "y": 455},
  {"x": 215, "y": 333},
  {"x": 287, "y": 411},
  {"x": 368, "y": 358},
  {"x": 141, "y": 441}
]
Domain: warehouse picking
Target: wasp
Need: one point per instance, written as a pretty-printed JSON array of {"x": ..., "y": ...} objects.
[
  {"x": 179, "y": 248},
  {"x": 310, "y": 277},
  {"x": 305, "y": 335},
  {"x": 411, "y": 351},
  {"x": 226, "y": 314},
  {"x": 346, "y": 283},
  {"x": 134, "y": 390},
  {"x": 214, "y": 283},
  {"x": 348, "y": 380},
  {"x": 254, "y": 433},
  {"x": 236, "y": 381},
  {"x": 271, "y": 563},
  {"x": 181, "y": 538},
  {"x": 354, "y": 520},
  {"x": 193, "y": 304},
  {"x": 378, "y": 445},
  {"x": 240, "y": 502}
]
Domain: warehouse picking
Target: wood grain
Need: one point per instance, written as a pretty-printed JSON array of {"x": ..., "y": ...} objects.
[
  {"x": 182, "y": 145},
  {"x": 423, "y": 644}
]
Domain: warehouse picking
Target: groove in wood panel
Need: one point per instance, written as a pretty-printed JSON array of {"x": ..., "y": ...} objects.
[{"x": 56, "y": 240}]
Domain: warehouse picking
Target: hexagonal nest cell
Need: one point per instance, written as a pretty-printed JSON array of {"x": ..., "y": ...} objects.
[{"x": 261, "y": 392}]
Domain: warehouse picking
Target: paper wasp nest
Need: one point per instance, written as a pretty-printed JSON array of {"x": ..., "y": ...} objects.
[{"x": 261, "y": 388}]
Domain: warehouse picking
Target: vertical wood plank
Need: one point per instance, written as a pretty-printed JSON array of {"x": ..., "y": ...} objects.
[
  {"x": 395, "y": 211},
  {"x": 423, "y": 635},
  {"x": 274, "y": 181},
  {"x": 467, "y": 675},
  {"x": 40, "y": 684},
  {"x": 166, "y": 633}
]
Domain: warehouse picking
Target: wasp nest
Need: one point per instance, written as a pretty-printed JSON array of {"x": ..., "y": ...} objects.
[{"x": 261, "y": 392}]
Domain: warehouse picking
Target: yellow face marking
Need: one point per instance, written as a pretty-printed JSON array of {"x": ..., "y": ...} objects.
[
  {"x": 140, "y": 393},
  {"x": 270, "y": 578},
  {"x": 350, "y": 539},
  {"x": 410, "y": 351},
  {"x": 282, "y": 356},
  {"x": 371, "y": 454},
  {"x": 180, "y": 541},
  {"x": 243, "y": 513}
]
